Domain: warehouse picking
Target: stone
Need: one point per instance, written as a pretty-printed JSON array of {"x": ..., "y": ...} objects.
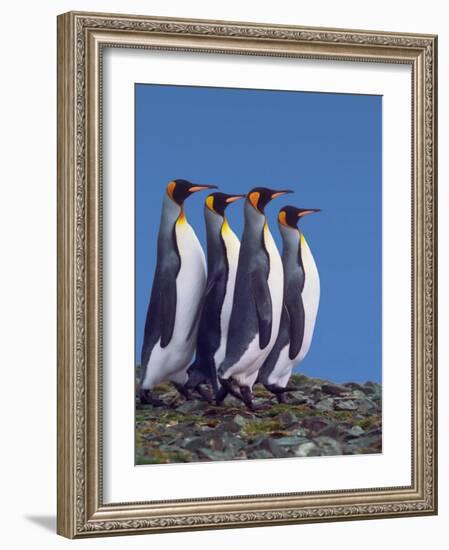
[
  {"x": 358, "y": 394},
  {"x": 377, "y": 430},
  {"x": 260, "y": 453},
  {"x": 189, "y": 407},
  {"x": 286, "y": 419},
  {"x": 326, "y": 404},
  {"x": 333, "y": 430},
  {"x": 213, "y": 455},
  {"x": 345, "y": 405},
  {"x": 353, "y": 386},
  {"x": 298, "y": 398},
  {"x": 316, "y": 396},
  {"x": 232, "y": 443},
  {"x": 296, "y": 428},
  {"x": 372, "y": 388},
  {"x": 366, "y": 406},
  {"x": 291, "y": 440},
  {"x": 231, "y": 426},
  {"x": 194, "y": 443},
  {"x": 328, "y": 446},
  {"x": 366, "y": 444},
  {"x": 314, "y": 423},
  {"x": 356, "y": 431},
  {"x": 334, "y": 389},
  {"x": 240, "y": 420},
  {"x": 269, "y": 444},
  {"x": 308, "y": 448}
]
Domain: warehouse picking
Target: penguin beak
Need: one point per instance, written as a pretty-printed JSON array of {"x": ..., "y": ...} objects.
[
  {"x": 308, "y": 211},
  {"x": 196, "y": 188},
  {"x": 276, "y": 194},
  {"x": 234, "y": 198}
]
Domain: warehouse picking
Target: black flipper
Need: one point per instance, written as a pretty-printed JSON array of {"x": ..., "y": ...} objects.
[
  {"x": 282, "y": 340},
  {"x": 262, "y": 299},
  {"x": 167, "y": 312},
  {"x": 197, "y": 317},
  {"x": 295, "y": 310}
]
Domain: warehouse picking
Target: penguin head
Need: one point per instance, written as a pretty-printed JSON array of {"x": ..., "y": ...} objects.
[
  {"x": 259, "y": 197},
  {"x": 179, "y": 190},
  {"x": 218, "y": 202},
  {"x": 289, "y": 216}
]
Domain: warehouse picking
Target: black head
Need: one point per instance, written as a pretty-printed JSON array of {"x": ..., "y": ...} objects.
[
  {"x": 218, "y": 202},
  {"x": 180, "y": 190},
  {"x": 259, "y": 197},
  {"x": 290, "y": 215}
]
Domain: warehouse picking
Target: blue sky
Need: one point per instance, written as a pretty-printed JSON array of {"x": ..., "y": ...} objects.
[{"x": 326, "y": 147}]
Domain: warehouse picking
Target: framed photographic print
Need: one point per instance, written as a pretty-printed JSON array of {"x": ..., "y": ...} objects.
[{"x": 246, "y": 274}]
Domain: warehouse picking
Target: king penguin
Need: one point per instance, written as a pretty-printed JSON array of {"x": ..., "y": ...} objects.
[
  {"x": 257, "y": 304},
  {"x": 301, "y": 301},
  {"x": 178, "y": 287},
  {"x": 222, "y": 256}
]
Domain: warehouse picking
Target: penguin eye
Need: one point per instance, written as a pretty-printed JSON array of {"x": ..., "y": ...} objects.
[{"x": 254, "y": 199}]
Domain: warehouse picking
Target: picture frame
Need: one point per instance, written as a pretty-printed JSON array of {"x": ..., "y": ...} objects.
[{"x": 82, "y": 40}]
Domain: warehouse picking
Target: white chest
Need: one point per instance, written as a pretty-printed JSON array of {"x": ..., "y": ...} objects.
[
  {"x": 232, "y": 246},
  {"x": 310, "y": 296},
  {"x": 191, "y": 280},
  {"x": 275, "y": 282}
]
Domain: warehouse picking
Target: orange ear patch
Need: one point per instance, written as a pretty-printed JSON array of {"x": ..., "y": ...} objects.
[
  {"x": 283, "y": 218},
  {"x": 210, "y": 203},
  {"x": 254, "y": 199},
  {"x": 170, "y": 188}
]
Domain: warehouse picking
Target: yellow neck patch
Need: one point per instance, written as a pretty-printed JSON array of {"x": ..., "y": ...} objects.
[
  {"x": 181, "y": 218},
  {"x": 225, "y": 229}
]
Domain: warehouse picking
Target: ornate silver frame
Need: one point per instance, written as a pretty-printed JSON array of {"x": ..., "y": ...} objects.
[{"x": 81, "y": 37}]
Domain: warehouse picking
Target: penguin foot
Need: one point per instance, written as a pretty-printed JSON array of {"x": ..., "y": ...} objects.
[
  {"x": 281, "y": 397},
  {"x": 205, "y": 394},
  {"x": 247, "y": 398},
  {"x": 278, "y": 390},
  {"x": 231, "y": 387},
  {"x": 220, "y": 396},
  {"x": 182, "y": 390},
  {"x": 147, "y": 399}
]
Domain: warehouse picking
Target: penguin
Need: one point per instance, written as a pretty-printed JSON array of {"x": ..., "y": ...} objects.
[
  {"x": 301, "y": 301},
  {"x": 257, "y": 304},
  {"x": 222, "y": 256},
  {"x": 178, "y": 286}
]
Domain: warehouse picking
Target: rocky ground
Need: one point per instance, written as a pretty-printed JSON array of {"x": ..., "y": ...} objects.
[{"x": 320, "y": 418}]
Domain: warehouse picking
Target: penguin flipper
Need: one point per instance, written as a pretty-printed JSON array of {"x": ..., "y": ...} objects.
[
  {"x": 296, "y": 316},
  {"x": 167, "y": 311},
  {"x": 262, "y": 299},
  {"x": 196, "y": 319},
  {"x": 282, "y": 340}
]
